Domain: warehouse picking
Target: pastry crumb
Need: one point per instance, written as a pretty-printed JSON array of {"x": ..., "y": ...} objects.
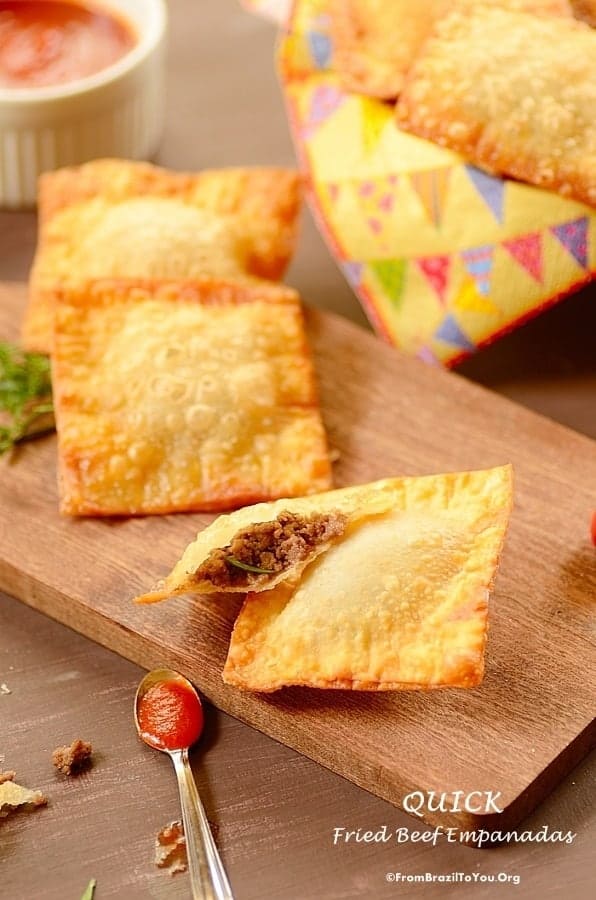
[
  {"x": 4, "y": 688},
  {"x": 73, "y": 759},
  {"x": 14, "y": 796}
]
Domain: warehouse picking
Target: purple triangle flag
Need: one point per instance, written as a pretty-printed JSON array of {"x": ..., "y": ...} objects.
[
  {"x": 574, "y": 237},
  {"x": 320, "y": 48},
  {"x": 352, "y": 271},
  {"x": 450, "y": 332},
  {"x": 491, "y": 189}
]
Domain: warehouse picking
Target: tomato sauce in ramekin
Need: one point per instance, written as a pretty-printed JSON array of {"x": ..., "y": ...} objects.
[{"x": 51, "y": 42}]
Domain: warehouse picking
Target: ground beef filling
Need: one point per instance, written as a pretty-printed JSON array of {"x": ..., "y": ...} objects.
[
  {"x": 73, "y": 759},
  {"x": 273, "y": 546}
]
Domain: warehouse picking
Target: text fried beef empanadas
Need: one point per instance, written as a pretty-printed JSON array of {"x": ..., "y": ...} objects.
[{"x": 178, "y": 396}]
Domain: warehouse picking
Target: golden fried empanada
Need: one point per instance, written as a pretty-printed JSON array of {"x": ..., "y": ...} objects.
[
  {"x": 514, "y": 93},
  {"x": 398, "y": 603},
  {"x": 120, "y": 219},
  {"x": 183, "y": 396},
  {"x": 376, "y": 41},
  {"x": 585, "y": 10}
]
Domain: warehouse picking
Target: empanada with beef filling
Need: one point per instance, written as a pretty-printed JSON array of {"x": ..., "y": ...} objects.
[
  {"x": 271, "y": 542},
  {"x": 174, "y": 396},
  {"x": 399, "y": 602},
  {"x": 121, "y": 219}
]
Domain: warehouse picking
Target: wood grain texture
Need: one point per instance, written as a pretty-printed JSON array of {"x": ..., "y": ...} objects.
[
  {"x": 386, "y": 415},
  {"x": 275, "y": 810}
]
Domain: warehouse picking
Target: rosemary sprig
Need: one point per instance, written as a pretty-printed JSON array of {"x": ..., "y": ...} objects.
[
  {"x": 26, "y": 408},
  {"x": 90, "y": 890},
  {"x": 247, "y": 568}
]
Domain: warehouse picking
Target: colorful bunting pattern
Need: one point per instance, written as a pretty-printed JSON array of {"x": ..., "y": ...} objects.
[
  {"x": 527, "y": 251},
  {"x": 436, "y": 271},
  {"x": 324, "y": 101},
  {"x": 490, "y": 188},
  {"x": 469, "y": 300},
  {"x": 443, "y": 255},
  {"x": 431, "y": 188},
  {"x": 320, "y": 48},
  {"x": 450, "y": 332},
  {"x": 391, "y": 276},
  {"x": 574, "y": 237},
  {"x": 353, "y": 272},
  {"x": 479, "y": 262}
]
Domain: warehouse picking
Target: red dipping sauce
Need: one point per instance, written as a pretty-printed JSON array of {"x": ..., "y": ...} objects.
[
  {"x": 170, "y": 716},
  {"x": 49, "y": 42}
]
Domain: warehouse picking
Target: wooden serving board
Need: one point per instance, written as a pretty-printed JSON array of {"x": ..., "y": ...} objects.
[{"x": 519, "y": 733}]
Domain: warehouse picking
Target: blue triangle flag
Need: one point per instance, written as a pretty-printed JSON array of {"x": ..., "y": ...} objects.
[
  {"x": 320, "y": 48},
  {"x": 490, "y": 188},
  {"x": 450, "y": 332}
]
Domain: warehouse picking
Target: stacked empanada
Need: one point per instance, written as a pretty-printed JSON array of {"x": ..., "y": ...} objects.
[
  {"x": 113, "y": 218},
  {"x": 181, "y": 373},
  {"x": 509, "y": 84},
  {"x": 381, "y": 586}
]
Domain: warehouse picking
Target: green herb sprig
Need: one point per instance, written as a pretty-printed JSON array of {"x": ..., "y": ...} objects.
[
  {"x": 26, "y": 408},
  {"x": 90, "y": 890},
  {"x": 247, "y": 568}
]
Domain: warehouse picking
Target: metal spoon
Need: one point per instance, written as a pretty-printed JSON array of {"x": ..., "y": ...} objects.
[{"x": 208, "y": 877}]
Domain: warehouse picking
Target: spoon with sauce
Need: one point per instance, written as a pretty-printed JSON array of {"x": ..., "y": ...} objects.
[{"x": 169, "y": 717}]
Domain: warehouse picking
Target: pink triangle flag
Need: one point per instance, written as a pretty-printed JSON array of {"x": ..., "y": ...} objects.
[
  {"x": 436, "y": 271},
  {"x": 527, "y": 251}
]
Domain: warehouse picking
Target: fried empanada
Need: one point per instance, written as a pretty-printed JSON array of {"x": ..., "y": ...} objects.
[
  {"x": 585, "y": 10},
  {"x": 398, "y": 603},
  {"x": 178, "y": 396},
  {"x": 513, "y": 93},
  {"x": 376, "y": 41},
  {"x": 121, "y": 219}
]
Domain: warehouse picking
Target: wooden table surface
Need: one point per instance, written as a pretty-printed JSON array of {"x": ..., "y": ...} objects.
[{"x": 275, "y": 811}]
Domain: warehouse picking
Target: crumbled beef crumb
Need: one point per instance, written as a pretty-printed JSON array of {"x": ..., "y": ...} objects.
[
  {"x": 7, "y": 776},
  {"x": 274, "y": 546},
  {"x": 72, "y": 760}
]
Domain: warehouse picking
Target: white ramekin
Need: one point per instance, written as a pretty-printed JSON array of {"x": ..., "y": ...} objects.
[{"x": 116, "y": 112}]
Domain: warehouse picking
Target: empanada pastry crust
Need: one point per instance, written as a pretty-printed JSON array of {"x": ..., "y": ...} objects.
[
  {"x": 399, "y": 603},
  {"x": 175, "y": 396},
  {"x": 585, "y": 10},
  {"x": 376, "y": 41},
  {"x": 513, "y": 93},
  {"x": 121, "y": 219}
]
